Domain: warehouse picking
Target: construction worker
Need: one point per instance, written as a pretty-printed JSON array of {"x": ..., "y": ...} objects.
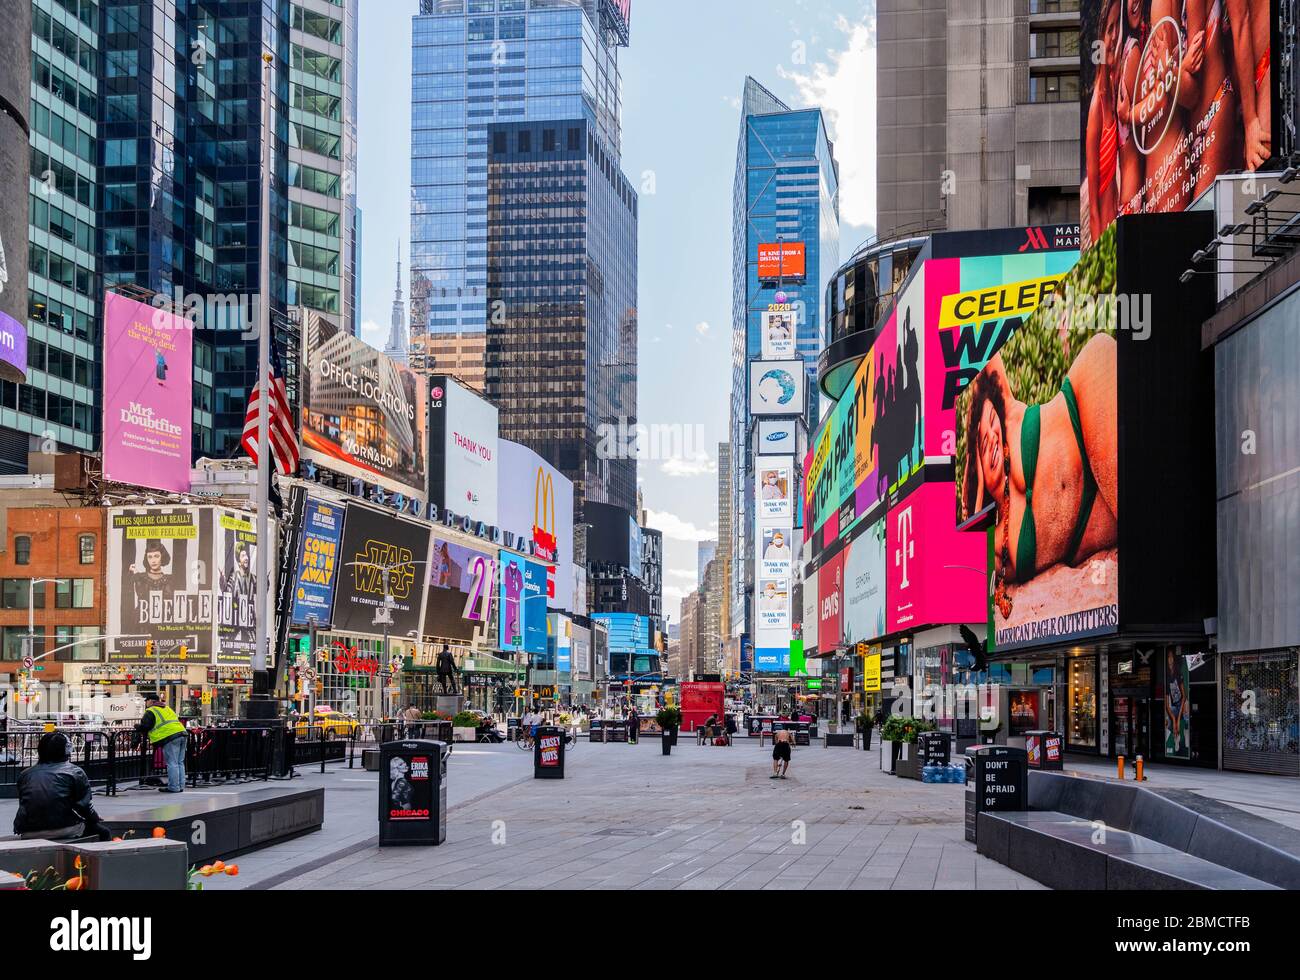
[{"x": 165, "y": 731}]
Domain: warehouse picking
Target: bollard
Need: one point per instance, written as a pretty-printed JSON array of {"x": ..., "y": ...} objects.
[
  {"x": 1121, "y": 768},
  {"x": 1140, "y": 777}
]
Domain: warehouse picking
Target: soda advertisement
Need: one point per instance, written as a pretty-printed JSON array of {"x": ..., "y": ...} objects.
[
  {"x": 318, "y": 562},
  {"x": 161, "y": 584},
  {"x": 378, "y": 545},
  {"x": 1172, "y": 96},
  {"x": 363, "y": 414},
  {"x": 148, "y": 395},
  {"x": 1037, "y": 456},
  {"x": 237, "y": 595}
]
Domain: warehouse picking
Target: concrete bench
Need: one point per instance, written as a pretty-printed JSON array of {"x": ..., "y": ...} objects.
[
  {"x": 130, "y": 865},
  {"x": 1066, "y": 852},
  {"x": 225, "y": 826}
]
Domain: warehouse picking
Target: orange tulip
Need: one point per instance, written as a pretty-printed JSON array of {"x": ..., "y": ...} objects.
[
  {"x": 206, "y": 870},
  {"x": 232, "y": 870},
  {"x": 218, "y": 866},
  {"x": 74, "y": 884},
  {"x": 117, "y": 840},
  {"x": 159, "y": 832}
]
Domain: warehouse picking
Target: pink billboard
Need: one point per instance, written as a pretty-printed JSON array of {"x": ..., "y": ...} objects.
[
  {"x": 934, "y": 573},
  {"x": 148, "y": 395}
]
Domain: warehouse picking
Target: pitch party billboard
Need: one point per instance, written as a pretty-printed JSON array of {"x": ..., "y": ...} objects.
[{"x": 148, "y": 395}]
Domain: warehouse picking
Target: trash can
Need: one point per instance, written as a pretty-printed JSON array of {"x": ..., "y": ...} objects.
[
  {"x": 412, "y": 793},
  {"x": 999, "y": 784},
  {"x": 1044, "y": 750},
  {"x": 935, "y": 748},
  {"x": 667, "y": 735},
  {"x": 548, "y": 753}
]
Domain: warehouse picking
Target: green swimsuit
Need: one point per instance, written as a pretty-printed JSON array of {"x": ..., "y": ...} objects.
[{"x": 1027, "y": 546}]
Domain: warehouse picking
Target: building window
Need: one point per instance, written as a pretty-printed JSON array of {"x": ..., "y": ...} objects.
[
  {"x": 22, "y": 549},
  {"x": 14, "y": 594},
  {"x": 1055, "y": 43},
  {"x": 74, "y": 593},
  {"x": 1055, "y": 87},
  {"x": 87, "y": 544},
  {"x": 64, "y": 636}
]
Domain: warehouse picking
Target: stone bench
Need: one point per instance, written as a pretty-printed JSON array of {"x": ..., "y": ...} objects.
[{"x": 130, "y": 865}]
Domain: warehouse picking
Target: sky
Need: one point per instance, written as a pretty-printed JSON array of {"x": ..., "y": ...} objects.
[{"x": 683, "y": 77}]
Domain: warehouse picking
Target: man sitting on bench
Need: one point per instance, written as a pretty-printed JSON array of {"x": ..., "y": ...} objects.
[{"x": 54, "y": 796}]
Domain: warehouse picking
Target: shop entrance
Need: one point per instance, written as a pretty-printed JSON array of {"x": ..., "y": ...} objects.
[{"x": 1130, "y": 725}]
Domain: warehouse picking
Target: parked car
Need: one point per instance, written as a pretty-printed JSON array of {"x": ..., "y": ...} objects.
[{"x": 335, "y": 723}]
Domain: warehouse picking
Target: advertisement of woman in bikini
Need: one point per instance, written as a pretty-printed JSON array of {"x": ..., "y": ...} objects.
[
  {"x": 1037, "y": 438},
  {"x": 1174, "y": 93}
]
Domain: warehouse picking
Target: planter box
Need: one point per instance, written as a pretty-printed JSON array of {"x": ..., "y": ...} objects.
[
  {"x": 840, "y": 739},
  {"x": 909, "y": 762}
]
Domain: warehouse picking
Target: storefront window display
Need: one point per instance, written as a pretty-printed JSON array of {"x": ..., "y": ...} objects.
[
  {"x": 1081, "y": 710},
  {"x": 1261, "y": 713}
]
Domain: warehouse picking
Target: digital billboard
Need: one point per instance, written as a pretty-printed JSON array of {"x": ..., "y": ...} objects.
[
  {"x": 776, "y": 388},
  {"x": 830, "y": 603},
  {"x": 15, "y": 165},
  {"x": 864, "y": 586},
  {"x": 776, "y": 488},
  {"x": 363, "y": 414},
  {"x": 776, "y": 437},
  {"x": 779, "y": 331},
  {"x": 935, "y": 573},
  {"x": 318, "y": 562},
  {"x": 148, "y": 395},
  {"x": 1038, "y": 458},
  {"x": 462, "y": 590},
  {"x": 464, "y": 440},
  {"x": 1172, "y": 95},
  {"x": 782, "y": 260},
  {"x": 375, "y": 541},
  {"x": 522, "y": 604},
  {"x": 535, "y": 503}
]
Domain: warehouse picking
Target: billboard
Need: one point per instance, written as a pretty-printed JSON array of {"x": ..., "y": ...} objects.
[
  {"x": 235, "y": 535},
  {"x": 934, "y": 573},
  {"x": 522, "y": 603},
  {"x": 782, "y": 260},
  {"x": 776, "y": 388},
  {"x": 1171, "y": 96},
  {"x": 1037, "y": 454},
  {"x": 15, "y": 163},
  {"x": 372, "y": 541},
  {"x": 464, "y": 446},
  {"x": 776, "y": 436},
  {"x": 776, "y": 488},
  {"x": 535, "y": 503},
  {"x": 148, "y": 395},
  {"x": 864, "y": 586},
  {"x": 363, "y": 414},
  {"x": 160, "y": 583},
  {"x": 899, "y": 409},
  {"x": 318, "y": 562},
  {"x": 779, "y": 326},
  {"x": 830, "y": 603},
  {"x": 462, "y": 590}
]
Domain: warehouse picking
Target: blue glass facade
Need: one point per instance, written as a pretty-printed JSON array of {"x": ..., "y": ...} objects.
[
  {"x": 630, "y": 653},
  {"x": 786, "y": 190},
  {"x": 476, "y": 63}
]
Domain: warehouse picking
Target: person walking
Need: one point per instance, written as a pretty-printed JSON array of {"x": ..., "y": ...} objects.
[
  {"x": 780, "y": 753},
  {"x": 166, "y": 732}
]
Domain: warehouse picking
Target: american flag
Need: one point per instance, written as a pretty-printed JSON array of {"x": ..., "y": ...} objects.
[{"x": 284, "y": 443}]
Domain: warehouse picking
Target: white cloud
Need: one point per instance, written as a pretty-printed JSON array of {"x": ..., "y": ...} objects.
[
  {"x": 373, "y": 334},
  {"x": 845, "y": 89},
  {"x": 702, "y": 329},
  {"x": 700, "y": 464},
  {"x": 686, "y": 574},
  {"x": 675, "y": 528}
]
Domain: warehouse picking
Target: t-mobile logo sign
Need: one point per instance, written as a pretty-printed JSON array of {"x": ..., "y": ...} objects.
[{"x": 906, "y": 549}]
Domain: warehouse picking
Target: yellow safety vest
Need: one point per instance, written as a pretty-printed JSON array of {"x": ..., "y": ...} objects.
[{"x": 166, "y": 724}]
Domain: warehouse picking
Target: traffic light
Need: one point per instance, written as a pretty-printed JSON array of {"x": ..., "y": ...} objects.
[
  {"x": 185, "y": 652},
  {"x": 148, "y": 648}
]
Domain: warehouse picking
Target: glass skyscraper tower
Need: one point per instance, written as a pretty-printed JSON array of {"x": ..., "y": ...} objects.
[
  {"x": 786, "y": 190},
  {"x": 476, "y": 63}
]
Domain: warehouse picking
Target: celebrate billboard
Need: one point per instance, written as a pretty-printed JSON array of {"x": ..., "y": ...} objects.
[
  {"x": 363, "y": 414},
  {"x": 148, "y": 395}
]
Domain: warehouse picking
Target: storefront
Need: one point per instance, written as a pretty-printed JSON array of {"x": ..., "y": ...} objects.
[
  {"x": 103, "y": 681},
  {"x": 1261, "y": 712}
]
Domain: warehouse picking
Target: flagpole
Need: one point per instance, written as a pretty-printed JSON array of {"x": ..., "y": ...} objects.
[{"x": 264, "y": 383}]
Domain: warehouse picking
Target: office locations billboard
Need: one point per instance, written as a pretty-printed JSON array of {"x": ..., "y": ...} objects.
[
  {"x": 375, "y": 540},
  {"x": 363, "y": 414},
  {"x": 535, "y": 503},
  {"x": 148, "y": 395},
  {"x": 1180, "y": 94},
  {"x": 1037, "y": 457},
  {"x": 318, "y": 562}
]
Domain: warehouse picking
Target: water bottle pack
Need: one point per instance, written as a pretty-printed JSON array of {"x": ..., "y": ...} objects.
[{"x": 935, "y": 773}]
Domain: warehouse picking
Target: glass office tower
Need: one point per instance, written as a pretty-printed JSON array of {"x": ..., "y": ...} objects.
[
  {"x": 148, "y": 116},
  {"x": 786, "y": 190},
  {"x": 476, "y": 63}
]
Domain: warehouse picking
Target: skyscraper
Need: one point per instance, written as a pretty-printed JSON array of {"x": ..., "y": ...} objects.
[
  {"x": 499, "y": 61},
  {"x": 786, "y": 195},
  {"x": 146, "y": 149},
  {"x": 397, "y": 347}
]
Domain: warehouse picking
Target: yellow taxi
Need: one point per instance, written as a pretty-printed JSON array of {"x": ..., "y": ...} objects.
[{"x": 335, "y": 723}]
